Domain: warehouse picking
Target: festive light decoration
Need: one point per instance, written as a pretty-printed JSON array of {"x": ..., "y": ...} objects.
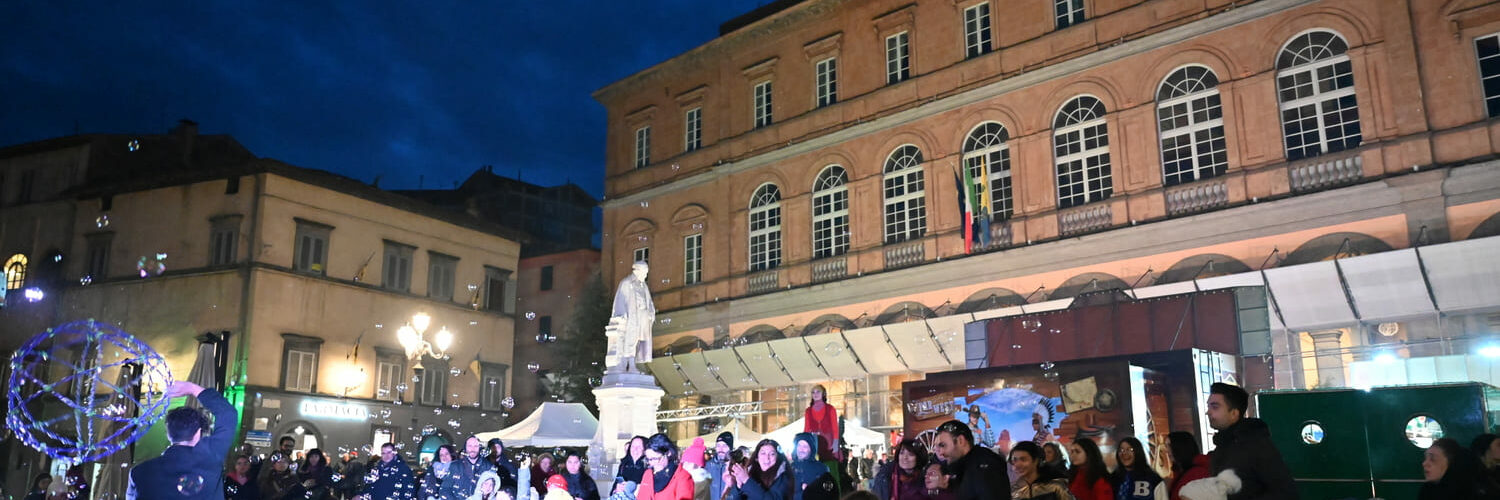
[{"x": 84, "y": 390}]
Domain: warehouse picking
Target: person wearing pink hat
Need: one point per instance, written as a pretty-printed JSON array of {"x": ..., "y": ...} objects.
[{"x": 696, "y": 453}]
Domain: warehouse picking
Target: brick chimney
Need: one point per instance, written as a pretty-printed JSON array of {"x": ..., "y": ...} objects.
[{"x": 186, "y": 133}]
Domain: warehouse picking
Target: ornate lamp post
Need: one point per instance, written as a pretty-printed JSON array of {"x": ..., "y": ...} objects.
[{"x": 411, "y": 338}]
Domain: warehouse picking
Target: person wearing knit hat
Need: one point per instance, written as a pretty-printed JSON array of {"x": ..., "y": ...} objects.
[
  {"x": 694, "y": 454},
  {"x": 716, "y": 464},
  {"x": 557, "y": 488}
]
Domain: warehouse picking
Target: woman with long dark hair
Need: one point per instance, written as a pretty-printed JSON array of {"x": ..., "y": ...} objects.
[
  {"x": 1487, "y": 448},
  {"x": 438, "y": 471},
  {"x": 1134, "y": 479},
  {"x": 665, "y": 479},
  {"x": 315, "y": 477},
  {"x": 1188, "y": 463},
  {"x": 281, "y": 480},
  {"x": 1452, "y": 472},
  {"x": 1032, "y": 479},
  {"x": 769, "y": 477},
  {"x": 633, "y": 465},
  {"x": 901, "y": 479},
  {"x": 239, "y": 482},
  {"x": 580, "y": 485},
  {"x": 1089, "y": 479}
]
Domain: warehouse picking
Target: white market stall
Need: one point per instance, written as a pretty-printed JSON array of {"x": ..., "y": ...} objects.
[
  {"x": 743, "y": 436},
  {"x": 551, "y": 425},
  {"x": 854, "y": 435}
]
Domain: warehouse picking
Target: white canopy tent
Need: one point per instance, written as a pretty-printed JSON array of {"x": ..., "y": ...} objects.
[
  {"x": 854, "y": 435},
  {"x": 743, "y": 436},
  {"x": 552, "y": 424}
]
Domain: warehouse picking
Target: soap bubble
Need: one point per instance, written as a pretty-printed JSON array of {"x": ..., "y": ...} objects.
[
  {"x": 190, "y": 484},
  {"x": 533, "y": 367},
  {"x": 416, "y": 378},
  {"x": 645, "y": 204},
  {"x": 454, "y": 372},
  {"x": 437, "y": 411},
  {"x": 400, "y": 387},
  {"x": 1047, "y": 365},
  {"x": 102, "y": 221},
  {"x": 530, "y": 315},
  {"x": 508, "y": 402},
  {"x": 453, "y": 423},
  {"x": 86, "y": 279},
  {"x": 384, "y": 413},
  {"x": 429, "y": 429}
]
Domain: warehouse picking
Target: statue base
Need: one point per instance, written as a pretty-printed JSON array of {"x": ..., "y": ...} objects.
[{"x": 627, "y": 401}]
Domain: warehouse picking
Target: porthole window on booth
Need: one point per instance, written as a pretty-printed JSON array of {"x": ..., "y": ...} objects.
[
  {"x": 1312, "y": 433},
  {"x": 1422, "y": 430}
]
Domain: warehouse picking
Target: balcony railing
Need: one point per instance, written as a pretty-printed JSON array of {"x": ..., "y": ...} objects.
[
  {"x": 830, "y": 268},
  {"x": 763, "y": 281},
  {"x": 906, "y": 253},
  {"x": 1000, "y": 237},
  {"x": 1087, "y": 218},
  {"x": 1327, "y": 173},
  {"x": 1197, "y": 197}
]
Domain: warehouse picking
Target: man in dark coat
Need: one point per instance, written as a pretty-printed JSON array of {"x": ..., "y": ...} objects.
[
  {"x": 392, "y": 478},
  {"x": 716, "y": 464},
  {"x": 192, "y": 467},
  {"x": 972, "y": 472},
  {"x": 504, "y": 467},
  {"x": 463, "y": 474},
  {"x": 1244, "y": 444}
]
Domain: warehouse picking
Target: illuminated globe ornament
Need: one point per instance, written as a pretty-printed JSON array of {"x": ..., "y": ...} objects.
[{"x": 84, "y": 390}]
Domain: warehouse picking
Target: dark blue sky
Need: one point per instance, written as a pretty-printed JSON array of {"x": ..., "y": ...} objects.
[{"x": 362, "y": 88}]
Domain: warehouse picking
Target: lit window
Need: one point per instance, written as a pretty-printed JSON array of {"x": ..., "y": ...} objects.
[
  {"x": 987, "y": 156},
  {"x": 904, "y": 193},
  {"x": 765, "y": 228},
  {"x": 977, "y": 29},
  {"x": 15, "y": 272},
  {"x": 1191, "y": 124},
  {"x": 1080, "y": 143},
  {"x": 762, "y": 100},
  {"x": 897, "y": 58},
  {"x": 1315, "y": 84},
  {"x": 826, "y": 84},
  {"x": 830, "y": 200}
]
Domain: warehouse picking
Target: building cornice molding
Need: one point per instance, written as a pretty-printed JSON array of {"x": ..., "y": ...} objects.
[{"x": 1236, "y": 16}]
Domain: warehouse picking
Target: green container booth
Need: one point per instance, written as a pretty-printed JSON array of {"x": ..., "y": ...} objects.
[{"x": 1353, "y": 443}]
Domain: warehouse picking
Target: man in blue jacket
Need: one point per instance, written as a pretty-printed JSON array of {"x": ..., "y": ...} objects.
[
  {"x": 392, "y": 477},
  {"x": 193, "y": 467}
]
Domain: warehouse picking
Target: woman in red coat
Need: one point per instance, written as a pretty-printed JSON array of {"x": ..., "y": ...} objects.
[
  {"x": 1089, "y": 478},
  {"x": 1188, "y": 463},
  {"x": 822, "y": 420},
  {"x": 665, "y": 478}
]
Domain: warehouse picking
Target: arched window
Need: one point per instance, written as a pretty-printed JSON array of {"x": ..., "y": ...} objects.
[
  {"x": 765, "y": 228},
  {"x": 15, "y": 272},
  {"x": 1191, "y": 124},
  {"x": 1315, "y": 84},
  {"x": 1080, "y": 143},
  {"x": 830, "y": 210},
  {"x": 905, "y": 202},
  {"x": 987, "y": 156}
]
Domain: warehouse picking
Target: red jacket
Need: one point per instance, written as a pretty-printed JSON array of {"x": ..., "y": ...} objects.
[
  {"x": 1199, "y": 470},
  {"x": 679, "y": 488},
  {"x": 1101, "y": 490},
  {"x": 826, "y": 425}
]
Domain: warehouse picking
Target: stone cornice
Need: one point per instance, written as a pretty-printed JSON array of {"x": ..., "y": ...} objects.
[{"x": 1041, "y": 75}]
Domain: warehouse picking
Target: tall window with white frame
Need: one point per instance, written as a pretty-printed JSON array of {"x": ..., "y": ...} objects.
[
  {"x": 977, "y": 38},
  {"x": 905, "y": 195},
  {"x": 1067, "y": 12},
  {"x": 643, "y": 146},
  {"x": 987, "y": 156},
  {"x": 1080, "y": 143},
  {"x": 390, "y": 368},
  {"x": 692, "y": 259},
  {"x": 432, "y": 381},
  {"x": 897, "y": 58},
  {"x": 765, "y": 228},
  {"x": 299, "y": 360},
  {"x": 1487, "y": 49},
  {"x": 825, "y": 84},
  {"x": 692, "y": 129},
  {"x": 642, "y": 254},
  {"x": 310, "y": 251},
  {"x": 1191, "y": 123},
  {"x": 830, "y": 210},
  {"x": 1315, "y": 84},
  {"x": 395, "y": 274},
  {"x": 491, "y": 386},
  {"x": 761, "y": 104}
]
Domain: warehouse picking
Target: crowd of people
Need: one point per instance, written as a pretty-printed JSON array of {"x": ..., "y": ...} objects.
[{"x": 1244, "y": 465}]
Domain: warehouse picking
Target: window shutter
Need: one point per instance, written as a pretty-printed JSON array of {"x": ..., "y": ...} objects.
[{"x": 510, "y": 296}]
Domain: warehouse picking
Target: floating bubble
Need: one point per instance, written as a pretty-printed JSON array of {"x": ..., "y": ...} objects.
[
  {"x": 428, "y": 429},
  {"x": 85, "y": 280},
  {"x": 101, "y": 221},
  {"x": 453, "y": 423},
  {"x": 530, "y": 315},
  {"x": 437, "y": 411},
  {"x": 645, "y": 204},
  {"x": 336, "y": 477},
  {"x": 380, "y": 325},
  {"x": 508, "y": 402},
  {"x": 1047, "y": 365},
  {"x": 454, "y": 372},
  {"x": 400, "y": 387},
  {"x": 666, "y": 321},
  {"x": 416, "y": 378},
  {"x": 190, "y": 484},
  {"x": 533, "y": 367},
  {"x": 1015, "y": 346},
  {"x": 234, "y": 489}
]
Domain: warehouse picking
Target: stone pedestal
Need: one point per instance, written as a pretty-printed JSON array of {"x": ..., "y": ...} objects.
[{"x": 627, "y": 407}]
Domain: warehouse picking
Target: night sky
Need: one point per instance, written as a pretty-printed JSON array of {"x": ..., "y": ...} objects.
[{"x": 361, "y": 88}]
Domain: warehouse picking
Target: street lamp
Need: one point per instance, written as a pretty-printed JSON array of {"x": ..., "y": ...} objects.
[{"x": 410, "y": 337}]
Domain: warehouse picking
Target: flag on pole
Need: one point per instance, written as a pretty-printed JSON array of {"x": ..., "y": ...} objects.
[{"x": 966, "y": 206}]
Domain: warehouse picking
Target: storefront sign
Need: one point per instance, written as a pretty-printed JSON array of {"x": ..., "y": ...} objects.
[
  {"x": 258, "y": 438},
  {"x": 334, "y": 410}
]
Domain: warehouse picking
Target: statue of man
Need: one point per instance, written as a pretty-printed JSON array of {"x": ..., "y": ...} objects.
[{"x": 631, "y": 320}]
